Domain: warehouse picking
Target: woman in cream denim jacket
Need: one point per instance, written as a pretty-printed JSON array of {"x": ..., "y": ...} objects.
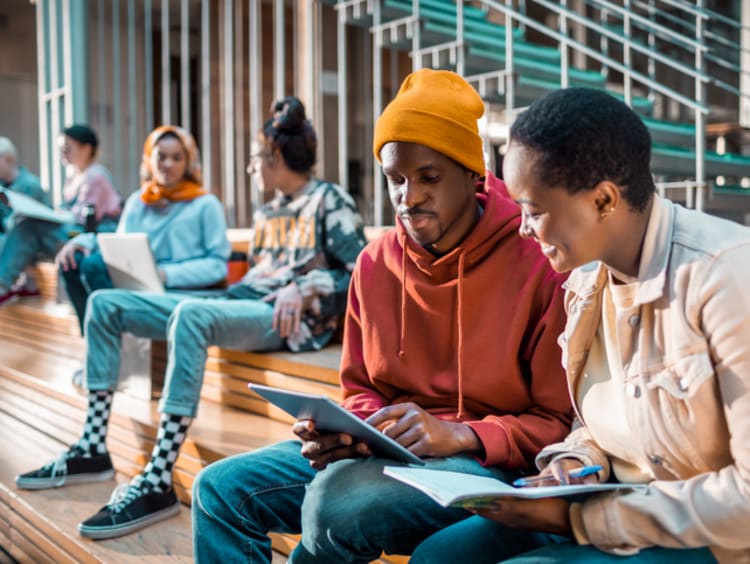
[{"x": 656, "y": 348}]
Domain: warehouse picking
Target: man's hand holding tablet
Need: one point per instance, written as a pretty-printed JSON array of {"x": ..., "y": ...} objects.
[
  {"x": 323, "y": 447},
  {"x": 329, "y": 432}
]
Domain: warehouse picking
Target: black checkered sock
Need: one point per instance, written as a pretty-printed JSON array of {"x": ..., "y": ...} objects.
[
  {"x": 158, "y": 472},
  {"x": 94, "y": 439}
]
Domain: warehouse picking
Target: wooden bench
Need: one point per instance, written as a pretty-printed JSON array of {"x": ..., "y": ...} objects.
[
  {"x": 45, "y": 273},
  {"x": 240, "y": 237},
  {"x": 40, "y": 346},
  {"x": 228, "y": 373},
  {"x": 40, "y": 406}
]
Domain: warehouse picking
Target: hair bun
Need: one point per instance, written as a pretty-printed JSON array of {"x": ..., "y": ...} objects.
[
  {"x": 289, "y": 131},
  {"x": 289, "y": 114}
]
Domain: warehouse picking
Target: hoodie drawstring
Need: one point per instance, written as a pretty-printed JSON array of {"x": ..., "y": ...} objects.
[
  {"x": 402, "y": 336},
  {"x": 460, "y": 312},
  {"x": 459, "y": 358}
]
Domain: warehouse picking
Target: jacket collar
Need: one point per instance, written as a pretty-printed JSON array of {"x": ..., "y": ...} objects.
[{"x": 652, "y": 272}]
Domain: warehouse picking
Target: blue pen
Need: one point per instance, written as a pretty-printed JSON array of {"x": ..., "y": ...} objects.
[{"x": 573, "y": 474}]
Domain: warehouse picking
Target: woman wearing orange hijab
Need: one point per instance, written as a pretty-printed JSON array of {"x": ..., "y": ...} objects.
[{"x": 185, "y": 224}]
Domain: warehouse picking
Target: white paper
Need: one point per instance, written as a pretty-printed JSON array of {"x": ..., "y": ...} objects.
[
  {"x": 456, "y": 488},
  {"x": 24, "y": 206}
]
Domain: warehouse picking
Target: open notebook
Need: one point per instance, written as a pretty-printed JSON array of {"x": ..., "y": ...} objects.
[{"x": 467, "y": 490}]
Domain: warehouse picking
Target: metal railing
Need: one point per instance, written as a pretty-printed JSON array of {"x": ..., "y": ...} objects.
[
  {"x": 156, "y": 59},
  {"x": 641, "y": 30},
  {"x": 170, "y": 61}
]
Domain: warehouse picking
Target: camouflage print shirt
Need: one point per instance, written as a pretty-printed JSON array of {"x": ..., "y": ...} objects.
[{"x": 312, "y": 239}]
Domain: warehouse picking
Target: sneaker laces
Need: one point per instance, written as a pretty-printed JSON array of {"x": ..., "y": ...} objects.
[
  {"x": 122, "y": 496},
  {"x": 58, "y": 467}
]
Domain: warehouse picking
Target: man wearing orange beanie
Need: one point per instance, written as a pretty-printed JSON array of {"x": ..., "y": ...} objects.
[{"x": 449, "y": 348}]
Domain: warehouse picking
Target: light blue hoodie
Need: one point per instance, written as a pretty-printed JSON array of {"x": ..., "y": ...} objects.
[{"x": 188, "y": 238}]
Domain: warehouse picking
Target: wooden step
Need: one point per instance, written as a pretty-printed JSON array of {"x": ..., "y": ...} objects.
[
  {"x": 46, "y": 277},
  {"x": 34, "y": 383},
  {"x": 58, "y": 410},
  {"x": 228, "y": 373},
  {"x": 39, "y": 349},
  {"x": 41, "y": 526},
  {"x": 44, "y": 313},
  {"x": 130, "y": 439}
]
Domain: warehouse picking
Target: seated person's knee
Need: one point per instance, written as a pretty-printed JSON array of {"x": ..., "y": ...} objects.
[{"x": 103, "y": 303}]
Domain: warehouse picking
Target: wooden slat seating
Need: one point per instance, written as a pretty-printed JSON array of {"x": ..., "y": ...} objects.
[
  {"x": 40, "y": 346},
  {"x": 41, "y": 526},
  {"x": 228, "y": 373},
  {"x": 45, "y": 411},
  {"x": 45, "y": 273}
]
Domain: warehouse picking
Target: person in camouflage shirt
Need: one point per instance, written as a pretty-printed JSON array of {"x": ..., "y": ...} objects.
[
  {"x": 311, "y": 240},
  {"x": 306, "y": 241}
]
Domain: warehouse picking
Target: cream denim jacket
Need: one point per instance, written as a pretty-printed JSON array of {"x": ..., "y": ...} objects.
[{"x": 686, "y": 357}]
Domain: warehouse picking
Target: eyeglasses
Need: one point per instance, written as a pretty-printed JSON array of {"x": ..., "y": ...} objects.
[{"x": 260, "y": 155}]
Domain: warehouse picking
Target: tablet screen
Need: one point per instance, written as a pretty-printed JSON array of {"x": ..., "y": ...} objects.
[{"x": 330, "y": 416}]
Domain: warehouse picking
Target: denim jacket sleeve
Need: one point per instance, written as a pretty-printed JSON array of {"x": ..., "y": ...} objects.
[
  {"x": 708, "y": 508},
  {"x": 578, "y": 444}
]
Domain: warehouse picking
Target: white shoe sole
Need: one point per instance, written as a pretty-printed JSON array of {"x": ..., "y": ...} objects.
[
  {"x": 100, "y": 533},
  {"x": 49, "y": 483}
]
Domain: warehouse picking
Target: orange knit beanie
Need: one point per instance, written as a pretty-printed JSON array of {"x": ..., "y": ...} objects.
[{"x": 438, "y": 109}]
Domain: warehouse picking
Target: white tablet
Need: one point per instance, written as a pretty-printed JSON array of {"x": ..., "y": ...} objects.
[
  {"x": 24, "y": 206},
  {"x": 130, "y": 262},
  {"x": 330, "y": 416}
]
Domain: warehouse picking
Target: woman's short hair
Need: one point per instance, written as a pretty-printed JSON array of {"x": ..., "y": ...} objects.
[
  {"x": 84, "y": 135},
  {"x": 583, "y": 136}
]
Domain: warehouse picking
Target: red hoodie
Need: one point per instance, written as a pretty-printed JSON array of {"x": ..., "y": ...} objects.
[{"x": 470, "y": 336}]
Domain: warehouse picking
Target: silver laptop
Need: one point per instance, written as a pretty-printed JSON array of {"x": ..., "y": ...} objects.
[{"x": 130, "y": 262}]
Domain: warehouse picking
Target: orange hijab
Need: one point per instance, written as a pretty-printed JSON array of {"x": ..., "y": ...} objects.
[{"x": 189, "y": 187}]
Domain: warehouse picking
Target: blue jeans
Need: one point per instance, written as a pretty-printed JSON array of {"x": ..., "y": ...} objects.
[
  {"x": 189, "y": 325},
  {"x": 348, "y": 512},
  {"x": 25, "y": 242},
  {"x": 30, "y": 239},
  {"x": 481, "y": 541},
  {"x": 91, "y": 275}
]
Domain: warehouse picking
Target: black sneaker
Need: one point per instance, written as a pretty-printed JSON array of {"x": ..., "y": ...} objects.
[
  {"x": 70, "y": 468},
  {"x": 130, "y": 508}
]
